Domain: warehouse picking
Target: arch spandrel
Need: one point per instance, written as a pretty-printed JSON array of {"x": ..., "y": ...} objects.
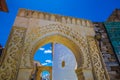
[
  {"x": 72, "y": 38},
  {"x": 63, "y": 40}
]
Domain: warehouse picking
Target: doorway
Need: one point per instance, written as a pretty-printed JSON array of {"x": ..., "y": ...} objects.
[{"x": 61, "y": 60}]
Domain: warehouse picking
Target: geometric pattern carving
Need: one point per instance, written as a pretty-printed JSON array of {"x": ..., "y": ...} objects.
[
  {"x": 12, "y": 53},
  {"x": 53, "y": 29},
  {"x": 98, "y": 68}
]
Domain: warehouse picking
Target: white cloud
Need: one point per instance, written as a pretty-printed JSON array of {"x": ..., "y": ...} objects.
[
  {"x": 44, "y": 64},
  {"x": 47, "y": 51},
  {"x": 48, "y": 61},
  {"x": 41, "y": 49}
]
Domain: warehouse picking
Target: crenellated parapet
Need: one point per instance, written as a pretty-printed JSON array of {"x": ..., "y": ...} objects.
[{"x": 54, "y": 17}]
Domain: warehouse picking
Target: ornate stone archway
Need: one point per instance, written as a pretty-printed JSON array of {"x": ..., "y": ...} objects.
[
  {"x": 41, "y": 69},
  {"x": 33, "y": 29}
]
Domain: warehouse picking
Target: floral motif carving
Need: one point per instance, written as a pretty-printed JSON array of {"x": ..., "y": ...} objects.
[
  {"x": 10, "y": 65},
  {"x": 99, "y": 71},
  {"x": 53, "y": 29}
]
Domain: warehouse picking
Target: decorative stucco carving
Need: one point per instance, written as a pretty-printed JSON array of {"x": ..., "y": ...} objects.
[
  {"x": 12, "y": 55},
  {"x": 98, "y": 68},
  {"x": 37, "y": 33}
]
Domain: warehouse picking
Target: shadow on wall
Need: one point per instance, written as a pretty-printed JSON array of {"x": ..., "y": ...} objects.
[{"x": 1, "y": 49}]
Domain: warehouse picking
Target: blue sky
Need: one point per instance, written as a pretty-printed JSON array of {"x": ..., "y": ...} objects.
[
  {"x": 45, "y": 73},
  {"x": 94, "y": 10},
  {"x": 44, "y": 55}
]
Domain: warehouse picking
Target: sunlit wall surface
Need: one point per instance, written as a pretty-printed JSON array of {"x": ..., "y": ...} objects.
[
  {"x": 113, "y": 30},
  {"x": 64, "y": 63}
]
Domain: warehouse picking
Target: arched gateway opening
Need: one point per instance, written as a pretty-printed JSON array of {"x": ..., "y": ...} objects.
[
  {"x": 33, "y": 29},
  {"x": 42, "y": 62},
  {"x": 65, "y": 41},
  {"x": 57, "y": 59}
]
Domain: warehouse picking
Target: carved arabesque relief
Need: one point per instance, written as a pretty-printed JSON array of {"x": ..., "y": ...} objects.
[
  {"x": 98, "y": 69},
  {"x": 38, "y": 33},
  {"x": 12, "y": 53}
]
